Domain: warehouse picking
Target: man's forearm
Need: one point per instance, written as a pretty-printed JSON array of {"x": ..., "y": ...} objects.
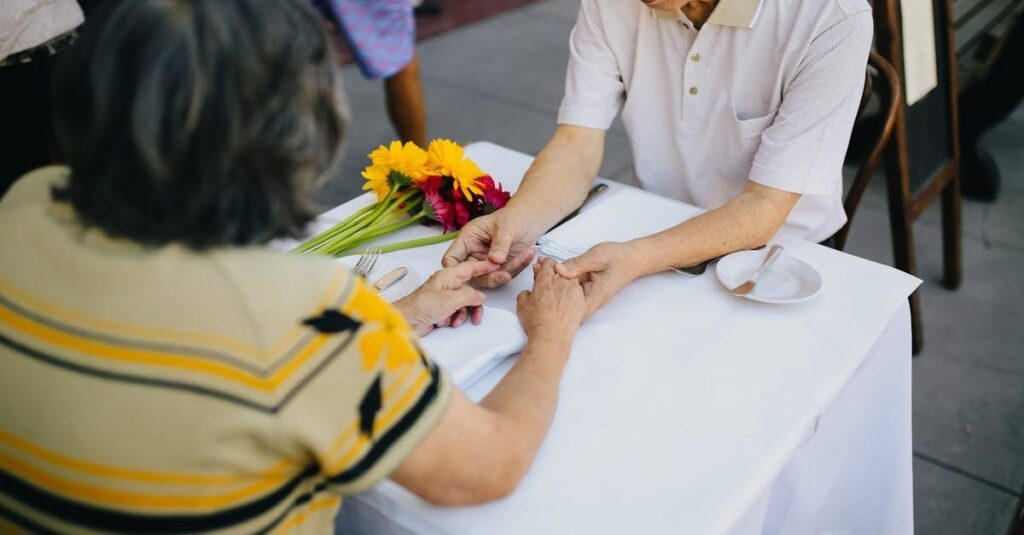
[
  {"x": 558, "y": 180},
  {"x": 745, "y": 222}
]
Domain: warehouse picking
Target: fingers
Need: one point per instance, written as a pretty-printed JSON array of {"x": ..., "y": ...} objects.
[
  {"x": 476, "y": 315},
  {"x": 501, "y": 243},
  {"x": 459, "y": 274},
  {"x": 457, "y": 252},
  {"x": 465, "y": 297},
  {"x": 574, "y": 267},
  {"x": 508, "y": 271},
  {"x": 459, "y": 317},
  {"x": 520, "y": 261}
]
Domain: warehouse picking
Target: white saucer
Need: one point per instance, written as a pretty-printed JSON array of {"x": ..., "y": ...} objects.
[
  {"x": 788, "y": 280},
  {"x": 385, "y": 264}
]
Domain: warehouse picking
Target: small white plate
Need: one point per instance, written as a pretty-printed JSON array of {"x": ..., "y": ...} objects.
[
  {"x": 788, "y": 280},
  {"x": 385, "y": 264}
]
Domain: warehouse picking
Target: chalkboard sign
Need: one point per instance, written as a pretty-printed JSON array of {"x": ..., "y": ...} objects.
[
  {"x": 930, "y": 132},
  {"x": 923, "y": 159}
]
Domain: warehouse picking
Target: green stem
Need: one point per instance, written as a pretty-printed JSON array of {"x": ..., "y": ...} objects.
[
  {"x": 380, "y": 210},
  {"x": 338, "y": 228},
  {"x": 366, "y": 237},
  {"x": 441, "y": 238}
]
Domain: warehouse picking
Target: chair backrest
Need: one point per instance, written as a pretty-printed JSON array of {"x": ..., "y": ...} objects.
[{"x": 881, "y": 79}]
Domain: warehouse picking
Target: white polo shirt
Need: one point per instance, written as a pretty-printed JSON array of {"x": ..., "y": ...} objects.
[{"x": 767, "y": 90}]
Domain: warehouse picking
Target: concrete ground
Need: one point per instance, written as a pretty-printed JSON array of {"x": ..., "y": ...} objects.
[{"x": 501, "y": 80}]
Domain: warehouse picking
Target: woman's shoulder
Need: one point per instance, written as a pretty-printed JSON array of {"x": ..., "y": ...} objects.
[{"x": 34, "y": 188}]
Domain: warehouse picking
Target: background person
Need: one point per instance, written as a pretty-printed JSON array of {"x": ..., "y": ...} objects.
[{"x": 381, "y": 34}]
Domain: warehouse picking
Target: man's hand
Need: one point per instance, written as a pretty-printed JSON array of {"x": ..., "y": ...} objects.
[
  {"x": 603, "y": 270},
  {"x": 556, "y": 306},
  {"x": 446, "y": 300},
  {"x": 505, "y": 238}
]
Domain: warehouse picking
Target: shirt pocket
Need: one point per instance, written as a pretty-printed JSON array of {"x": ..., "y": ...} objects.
[{"x": 751, "y": 127}]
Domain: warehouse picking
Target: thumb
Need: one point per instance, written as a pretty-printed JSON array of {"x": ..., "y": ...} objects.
[
  {"x": 574, "y": 267},
  {"x": 457, "y": 252},
  {"x": 500, "y": 245}
]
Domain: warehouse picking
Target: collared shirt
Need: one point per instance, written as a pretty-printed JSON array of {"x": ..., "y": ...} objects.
[
  {"x": 767, "y": 90},
  {"x": 159, "y": 389}
]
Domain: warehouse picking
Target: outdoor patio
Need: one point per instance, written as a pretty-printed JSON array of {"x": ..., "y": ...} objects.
[{"x": 501, "y": 80}]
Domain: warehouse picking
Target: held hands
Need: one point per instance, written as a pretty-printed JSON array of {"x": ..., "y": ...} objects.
[
  {"x": 505, "y": 237},
  {"x": 556, "y": 306},
  {"x": 446, "y": 300},
  {"x": 602, "y": 271}
]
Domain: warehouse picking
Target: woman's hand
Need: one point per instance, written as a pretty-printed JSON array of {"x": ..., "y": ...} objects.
[
  {"x": 603, "y": 270},
  {"x": 505, "y": 237},
  {"x": 446, "y": 300},
  {"x": 556, "y": 306}
]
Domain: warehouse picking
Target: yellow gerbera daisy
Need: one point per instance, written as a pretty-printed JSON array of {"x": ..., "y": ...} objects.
[
  {"x": 447, "y": 158},
  {"x": 407, "y": 159}
]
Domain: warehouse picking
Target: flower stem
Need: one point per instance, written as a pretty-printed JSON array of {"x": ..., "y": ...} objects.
[
  {"x": 374, "y": 233},
  {"x": 353, "y": 227},
  {"x": 343, "y": 225},
  {"x": 390, "y": 248}
]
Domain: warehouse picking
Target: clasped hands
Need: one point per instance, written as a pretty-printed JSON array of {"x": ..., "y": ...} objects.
[{"x": 493, "y": 249}]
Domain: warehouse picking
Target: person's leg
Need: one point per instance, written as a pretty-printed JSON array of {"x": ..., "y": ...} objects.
[{"x": 406, "y": 106}]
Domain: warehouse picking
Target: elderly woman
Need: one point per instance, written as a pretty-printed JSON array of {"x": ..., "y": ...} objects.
[{"x": 159, "y": 369}]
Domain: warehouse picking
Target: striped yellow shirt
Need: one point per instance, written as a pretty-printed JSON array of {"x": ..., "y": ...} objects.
[{"x": 147, "y": 390}]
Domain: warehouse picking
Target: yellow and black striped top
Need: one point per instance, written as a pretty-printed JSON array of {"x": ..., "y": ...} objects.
[{"x": 159, "y": 390}]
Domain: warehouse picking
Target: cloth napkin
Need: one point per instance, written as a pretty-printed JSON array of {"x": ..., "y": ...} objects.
[
  {"x": 620, "y": 215},
  {"x": 470, "y": 351}
]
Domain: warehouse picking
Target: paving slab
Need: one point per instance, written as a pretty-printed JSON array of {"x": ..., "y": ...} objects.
[{"x": 946, "y": 503}]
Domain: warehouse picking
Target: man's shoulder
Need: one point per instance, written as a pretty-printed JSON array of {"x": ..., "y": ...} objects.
[
  {"x": 614, "y": 12},
  {"x": 812, "y": 17},
  {"x": 833, "y": 10}
]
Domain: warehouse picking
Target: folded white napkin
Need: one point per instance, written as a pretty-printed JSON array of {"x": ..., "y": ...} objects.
[
  {"x": 620, "y": 215},
  {"x": 470, "y": 351}
]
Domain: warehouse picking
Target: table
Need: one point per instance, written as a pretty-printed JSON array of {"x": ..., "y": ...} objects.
[{"x": 805, "y": 428}]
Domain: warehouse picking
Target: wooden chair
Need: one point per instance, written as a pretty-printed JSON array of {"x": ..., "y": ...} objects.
[{"x": 881, "y": 80}]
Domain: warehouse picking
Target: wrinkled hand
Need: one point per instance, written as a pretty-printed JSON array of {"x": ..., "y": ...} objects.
[
  {"x": 603, "y": 271},
  {"x": 555, "y": 307},
  {"x": 505, "y": 238},
  {"x": 446, "y": 300}
]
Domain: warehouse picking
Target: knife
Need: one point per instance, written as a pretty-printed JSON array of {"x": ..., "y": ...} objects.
[
  {"x": 390, "y": 279},
  {"x": 594, "y": 192}
]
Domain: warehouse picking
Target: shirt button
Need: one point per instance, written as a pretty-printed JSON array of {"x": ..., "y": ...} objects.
[
  {"x": 695, "y": 58},
  {"x": 693, "y": 90}
]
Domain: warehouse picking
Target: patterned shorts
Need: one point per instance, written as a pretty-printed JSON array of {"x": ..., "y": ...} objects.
[{"x": 380, "y": 33}]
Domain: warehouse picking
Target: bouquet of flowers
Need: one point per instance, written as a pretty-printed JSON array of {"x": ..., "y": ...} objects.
[{"x": 413, "y": 186}]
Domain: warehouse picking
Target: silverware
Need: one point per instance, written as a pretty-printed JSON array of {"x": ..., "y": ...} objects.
[
  {"x": 745, "y": 288},
  {"x": 594, "y": 192},
  {"x": 390, "y": 279},
  {"x": 367, "y": 262},
  {"x": 700, "y": 268}
]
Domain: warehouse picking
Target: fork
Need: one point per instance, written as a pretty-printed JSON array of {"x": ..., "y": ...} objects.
[{"x": 367, "y": 262}]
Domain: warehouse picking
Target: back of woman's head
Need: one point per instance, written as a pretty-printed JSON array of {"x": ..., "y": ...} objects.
[{"x": 205, "y": 122}]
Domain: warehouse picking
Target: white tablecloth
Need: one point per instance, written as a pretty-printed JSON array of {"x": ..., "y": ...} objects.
[{"x": 686, "y": 410}]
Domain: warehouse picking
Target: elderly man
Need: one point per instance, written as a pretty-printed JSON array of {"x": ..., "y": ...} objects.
[{"x": 741, "y": 107}]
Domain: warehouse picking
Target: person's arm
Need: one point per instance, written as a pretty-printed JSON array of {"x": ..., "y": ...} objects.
[
  {"x": 801, "y": 153},
  {"x": 557, "y": 182},
  {"x": 747, "y": 221},
  {"x": 560, "y": 176},
  {"x": 480, "y": 452},
  {"x": 554, "y": 186}
]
